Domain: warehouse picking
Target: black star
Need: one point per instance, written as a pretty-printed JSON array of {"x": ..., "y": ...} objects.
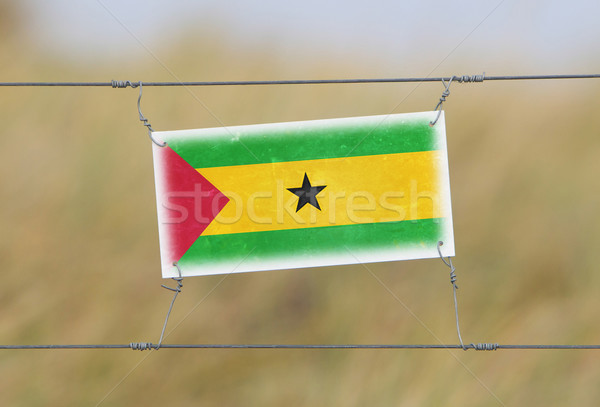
[{"x": 307, "y": 194}]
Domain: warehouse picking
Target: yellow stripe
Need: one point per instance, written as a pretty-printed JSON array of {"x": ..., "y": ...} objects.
[{"x": 366, "y": 189}]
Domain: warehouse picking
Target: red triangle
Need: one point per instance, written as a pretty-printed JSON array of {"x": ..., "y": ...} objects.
[{"x": 187, "y": 203}]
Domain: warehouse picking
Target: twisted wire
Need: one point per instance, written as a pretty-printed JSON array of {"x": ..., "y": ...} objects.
[
  {"x": 470, "y": 79},
  {"x": 176, "y": 290},
  {"x": 141, "y": 346},
  {"x": 124, "y": 84},
  {"x": 143, "y": 119},
  {"x": 454, "y": 288},
  {"x": 445, "y": 94},
  {"x": 484, "y": 346}
]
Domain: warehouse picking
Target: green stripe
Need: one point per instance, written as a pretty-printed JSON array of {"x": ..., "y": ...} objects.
[
  {"x": 299, "y": 141},
  {"x": 303, "y": 243}
]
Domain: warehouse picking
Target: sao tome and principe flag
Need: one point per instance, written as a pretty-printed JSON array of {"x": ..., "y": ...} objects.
[{"x": 303, "y": 194}]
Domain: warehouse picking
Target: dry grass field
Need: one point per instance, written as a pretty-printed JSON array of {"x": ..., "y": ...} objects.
[{"x": 79, "y": 246}]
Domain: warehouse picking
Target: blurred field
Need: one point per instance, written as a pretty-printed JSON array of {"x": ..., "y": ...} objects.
[{"x": 79, "y": 246}]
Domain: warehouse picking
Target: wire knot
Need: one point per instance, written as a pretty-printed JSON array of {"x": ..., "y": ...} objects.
[
  {"x": 179, "y": 284},
  {"x": 448, "y": 263},
  {"x": 439, "y": 106},
  {"x": 124, "y": 84},
  {"x": 469, "y": 79},
  {"x": 141, "y": 346},
  {"x": 484, "y": 346},
  {"x": 445, "y": 94},
  {"x": 453, "y": 277}
]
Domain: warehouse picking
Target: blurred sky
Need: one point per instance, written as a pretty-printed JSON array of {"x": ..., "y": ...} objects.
[{"x": 553, "y": 36}]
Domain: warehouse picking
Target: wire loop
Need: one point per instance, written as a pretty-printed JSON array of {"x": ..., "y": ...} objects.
[
  {"x": 446, "y": 92},
  {"x": 144, "y": 121}
]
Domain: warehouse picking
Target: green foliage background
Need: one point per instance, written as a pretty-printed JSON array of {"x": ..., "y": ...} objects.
[{"x": 79, "y": 244}]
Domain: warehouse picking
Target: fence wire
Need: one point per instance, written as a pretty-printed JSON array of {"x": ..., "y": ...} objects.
[{"x": 456, "y": 78}]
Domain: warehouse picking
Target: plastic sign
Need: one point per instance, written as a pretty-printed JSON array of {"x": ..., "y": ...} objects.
[{"x": 302, "y": 194}]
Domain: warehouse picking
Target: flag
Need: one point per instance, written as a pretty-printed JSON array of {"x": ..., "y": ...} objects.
[{"x": 303, "y": 194}]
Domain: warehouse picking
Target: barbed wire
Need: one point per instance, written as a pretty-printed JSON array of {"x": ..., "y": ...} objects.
[{"x": 459, "y": 78}]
